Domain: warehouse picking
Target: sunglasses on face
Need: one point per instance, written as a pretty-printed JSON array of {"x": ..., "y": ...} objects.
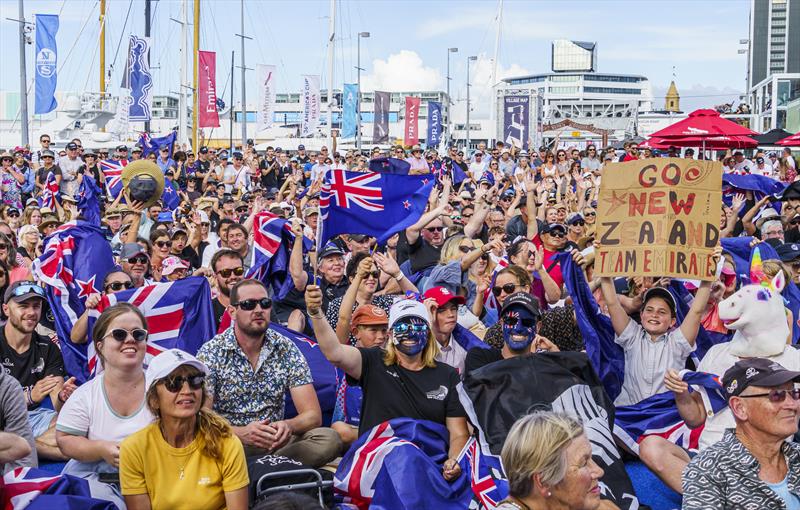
[
  {"x": 435, "y": 229},
  {"x": 241, "y": 209},
  {"x": 592, "y": 213},
  {"x": 558, "y": 234},
  {"x": 578, "y": 223},
  {"x": 137, "y": 260},
  {"x": 404, "y": 328},
  {"x": 374, "y": 274},
  {"x": 45, "y": 141},
  {"x": 162, "y": 244},
  {"x": 120, "y": 335},
  {"x": 174, "y": 384},
  {"x": 512, "y": 321},
  {"x": 13, "y": 214},
  {"x": 249, "y": 305},
  {"x": 507, "y": 288},
  {"x": 118, "y": 286},
  {"x": 226, "y": 273},
  {"x": 776, "y": 396}
]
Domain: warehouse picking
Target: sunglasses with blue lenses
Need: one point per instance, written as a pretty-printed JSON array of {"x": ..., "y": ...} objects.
[{"x": 27, "y": 289}]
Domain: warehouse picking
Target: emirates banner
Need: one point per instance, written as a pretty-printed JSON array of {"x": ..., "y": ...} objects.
[
  {"x": 265, "y": 74},
  {"x": 311, "y": 105},
  {"x": 412, "y": 121},
  {"x": 207, "y": 85}
]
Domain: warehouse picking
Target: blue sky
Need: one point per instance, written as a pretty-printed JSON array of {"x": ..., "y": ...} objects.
[{"x": 409, "y": 40}]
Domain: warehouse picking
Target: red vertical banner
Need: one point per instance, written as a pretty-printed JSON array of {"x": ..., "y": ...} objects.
[
  {"x": 412, "y": 121},
  {"x": 207, "y": 90}
]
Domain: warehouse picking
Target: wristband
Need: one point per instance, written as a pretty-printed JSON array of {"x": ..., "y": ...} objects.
[
  {"x": 29, "y": 397},
  {"x": 399, "y": 277},
  {"x": 318, "y": 315}
]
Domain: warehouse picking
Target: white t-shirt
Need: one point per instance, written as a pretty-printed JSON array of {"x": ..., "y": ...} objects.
[
  {"x": 88, "y": 413},
  {"x": 228, "y": 173},
  {"x": 717, "y": 360},
  {"x": 766, "y": 170},
  {"x": 477, "y": 169}
]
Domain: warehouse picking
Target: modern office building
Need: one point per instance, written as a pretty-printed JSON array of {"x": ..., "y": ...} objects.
[{"x": 576, "y": 56}]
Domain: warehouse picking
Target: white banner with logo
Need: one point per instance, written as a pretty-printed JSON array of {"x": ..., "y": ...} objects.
[
  {"x": 311, "y": 105},
  {"x": 265, "y": 74}
]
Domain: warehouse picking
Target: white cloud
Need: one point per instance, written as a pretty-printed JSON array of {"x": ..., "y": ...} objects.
[{"x": 402, "y": 71}]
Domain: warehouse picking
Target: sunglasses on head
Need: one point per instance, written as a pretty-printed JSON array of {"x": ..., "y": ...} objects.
[
  {"x": 175, "y": 383},
  {"x": 512, "y": 321},
  {"x": 435, "y": 229},
  {"x": 507, "y": 288},
  {"x": 249, "y": 305},
  {"x": 162, "y": 244},
  {"x": 118, "y": 286},
  {"x": 776, "y": 396},
  {"x": 120, "y": 335},
  {"x": 226, "y": 273}
]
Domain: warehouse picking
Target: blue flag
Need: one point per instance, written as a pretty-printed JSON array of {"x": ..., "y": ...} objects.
[
  {"x": 272, "y": 246},
  {"x": 349, "y": 119},
  {"x": 759, "y": 183},
  {"x": 466, "y": 339},
  {"x": 170, "y": 197},
  {"x": 705, "y": 339},
  {"x": 434, "y": 136},
  {"x": 323, "y": 373},
  {"x": 608, "y": 358},
  {"x": 46, "y": 63},
  {"x": 37, "y": 489},
  {"x": 390, "y": 166},
  {"x": 373, "y": 204},
  {"x": 139, "y": 79},
  {"x": 88, "y": 204},
  {"x": 153, "y": 145},
  {"x": 75, "y": 259}
]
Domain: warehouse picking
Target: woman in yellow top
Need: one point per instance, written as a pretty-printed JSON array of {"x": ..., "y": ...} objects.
[{"x": 189, "y": 457}]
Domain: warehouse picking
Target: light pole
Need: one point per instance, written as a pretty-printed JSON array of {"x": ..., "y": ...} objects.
[
  {"x": 358, "y": 98},
  {"x": 449, "y": 102},
  {"x": 469, "y": 59}
]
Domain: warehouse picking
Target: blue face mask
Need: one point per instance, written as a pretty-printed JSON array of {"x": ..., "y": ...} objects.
[
  {"x": 410, "y": 336},
  {"x": 519, "y": 328}
]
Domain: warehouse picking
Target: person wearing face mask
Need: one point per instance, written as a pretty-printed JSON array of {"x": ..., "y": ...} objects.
[{"x": 404, "y": 380}]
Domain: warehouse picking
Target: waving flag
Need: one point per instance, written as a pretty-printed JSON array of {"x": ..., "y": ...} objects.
[
  {"x": 375, "y": 204},
  {"x": 659, "y": 416},
  {"x": 88, "y": 203},
  {"x": 36, "y": 489},
  {"x": 179, "y": 315},
  {"x": 112, "y": 170},
  {"x": 153, "y": 145},
  {"x": 390, "y": 166},
  {"x": 397, "y": 465},
  {"x": 75, "y": 259},
  {"x": 170, "y": 197},
  {"x": 323, "y": 373},
  {"x": 50, "y": 192},
  {"x": 760, "y": 183},
  {"x": 272, "y": 244},
  {"x": 46, "y": 63}
]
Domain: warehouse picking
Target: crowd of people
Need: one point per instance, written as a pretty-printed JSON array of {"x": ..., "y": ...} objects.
[{"x": 482, "y": 258}]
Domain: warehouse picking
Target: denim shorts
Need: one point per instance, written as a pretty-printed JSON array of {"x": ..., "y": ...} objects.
[{"x": 40, "y": 420}]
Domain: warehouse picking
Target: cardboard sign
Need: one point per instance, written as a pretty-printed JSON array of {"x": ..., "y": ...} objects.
[{"x": 659, "y": 217}]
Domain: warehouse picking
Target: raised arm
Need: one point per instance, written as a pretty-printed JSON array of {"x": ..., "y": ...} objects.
[
  {"x": 412, "y": 232},
  {"x": 346, "y": 357},
  {"x": 619, "y": 319},
  {"x": 530, "y": 204},
  {"x": 747, "y": 219},
  {"x": 349, "y": 299},
  {"x": 691, "y": 323},
  {"x": 296, "y": 271},
  {"x": 389, "y": 266}
]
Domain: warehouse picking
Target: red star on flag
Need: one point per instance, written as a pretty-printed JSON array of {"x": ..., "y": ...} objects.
[
  {"x": 406, "y": 204},
  {"x": 87, "y": 287}
]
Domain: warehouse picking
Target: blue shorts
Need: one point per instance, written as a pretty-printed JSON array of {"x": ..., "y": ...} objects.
[{"x": 40, "y": 420}]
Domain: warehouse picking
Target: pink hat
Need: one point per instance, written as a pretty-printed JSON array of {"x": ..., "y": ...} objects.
[{"x": 170, "y": 264}]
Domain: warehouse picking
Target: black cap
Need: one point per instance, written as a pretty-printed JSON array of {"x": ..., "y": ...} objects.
[
  {"x": 122, "y": 148},
  {"x": 788, "y": 252},
  {"x": 359, "y": 238},
  {"x": 203, "y": 150},
  {"x": 553, "y": 226},
  {"x": 47, "y": 153},
  {"x": 791, "y": 191},
  {"x": 523, "y": 299},
  {"x": 660, "y": 292},
  {"x": 759, "y": 160},
  {"x": 23, "y": 290},
  {"x": 756, "y": 372},
  {"x": 238, "y": 155},
  {"x": 136, "y": 148},
  {"x": 328, "y": 250},
  {"x": 249, "y": 141},
  {"x": 72, "y": 146}
]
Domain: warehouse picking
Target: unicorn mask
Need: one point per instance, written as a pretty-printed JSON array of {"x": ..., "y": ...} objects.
[{"x": 756, "y": 314}]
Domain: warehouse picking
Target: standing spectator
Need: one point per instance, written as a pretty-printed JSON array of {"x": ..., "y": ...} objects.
[
  {"x": 67, "y": 171},
  {"x": 164, "y": 160},
  {"x": 417, "y": 162}
]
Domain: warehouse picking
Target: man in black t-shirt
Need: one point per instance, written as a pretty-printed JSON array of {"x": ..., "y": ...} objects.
[
  {"x": 228, "y": 270},
  {"x": 35, "y": 361}
]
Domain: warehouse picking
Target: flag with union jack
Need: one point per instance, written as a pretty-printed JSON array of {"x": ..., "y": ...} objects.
[
  {"x": 397, "y": 465},
  {"x": 87, "y": 197},
  {"x": 272, "y": 246},
  {"x": 112, "y": 170},
  {"x": 179, "y": 315},
  {"x": 49, "y": 195},
  {"x": 75, "y": 259},
  {"x": 36, "y": 489},
  {"x": 371, "y": 203}
]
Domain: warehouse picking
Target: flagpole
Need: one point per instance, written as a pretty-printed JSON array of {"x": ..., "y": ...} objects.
[
  {"x": 182, "y": 98},
  {"x": 102, "y": 50},
  {"x": 23, "y": 79},
  {"x": 195, "y": 57},
  {"x": 147, "y": 36},
  {"x": 331, "y": 34}
]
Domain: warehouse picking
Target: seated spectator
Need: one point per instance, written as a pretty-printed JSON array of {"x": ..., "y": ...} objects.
[
  {"x": 13, "y": 448},
  {"x": 399, "y": 381},
  {"x": 188, "y": 457},
  {"x": 250, "y": 369},
  {"x": 509, "y": 280},
  {"x": 442, "y": 307},
  {"x": 369, "y": 328},
  {"x": 14, "y": 420},
  {"x": 35, "y": 361},
  {"x": 135, "y": 261},
  {"x": 331, "y": 274},
  {"x": 111, "y": 406},
  {"x": 754, "y": 462},
  {"x": 548, "y": 462}
]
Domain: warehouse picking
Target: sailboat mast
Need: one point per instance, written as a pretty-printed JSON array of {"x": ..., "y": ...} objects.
[
  {"x": 102, "y": 49},
  {"x": 331, "y": 34},
  {"x": 493, "y": 80},
  {"x": 183, "y": 85},
  {"x": 195, "y": 55},
  {"x": 23, "y": 80},
  {"x": 244, "y": 94}
]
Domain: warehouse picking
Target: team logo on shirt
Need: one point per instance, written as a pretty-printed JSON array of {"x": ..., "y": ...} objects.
[{"x": 438, "y": 394}]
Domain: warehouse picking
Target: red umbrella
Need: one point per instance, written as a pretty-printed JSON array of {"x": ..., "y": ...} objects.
[
  {"x": 711, "y": 143},
  {"x": 790, "y": 141},
  {"x": 703, "y": 124}
]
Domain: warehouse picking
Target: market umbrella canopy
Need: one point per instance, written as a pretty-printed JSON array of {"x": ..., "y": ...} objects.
[
  {"x": 704, "y": 123},
  {"x": 772, "y": 136},
  {"x": 791, "y": 141},
  {"x": 710, "y": 142}
]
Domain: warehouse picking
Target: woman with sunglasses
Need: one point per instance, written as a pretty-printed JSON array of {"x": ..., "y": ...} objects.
[
  {"x": 189, "y": 456},
  {"x": 8, "y": 254},
  {"x": 562, "y": 163},
  {"x": 161, "y": 244},
  {"x": 115, "y": 281},
  {"x": 28, "y": 240},
  {"x": 109, "y": 407},
  {"x": 398, "y": 381},
  {"x": 548, "y": 168}
]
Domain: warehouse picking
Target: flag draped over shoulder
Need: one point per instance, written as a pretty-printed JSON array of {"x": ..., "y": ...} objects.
[
  {"x": 179, "y": 315},
  {"x": 36, "y": 489},
  {"x": 49, "y": 195},
  {"x": 75, "y": 259},
  {"x": 272, "y": 244},
  {"x": 374, "y": 204},
  {"x": 658, "y": 415},
  {"x": 496, "y": 395},
  {"x": 323, "y": 373}
]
